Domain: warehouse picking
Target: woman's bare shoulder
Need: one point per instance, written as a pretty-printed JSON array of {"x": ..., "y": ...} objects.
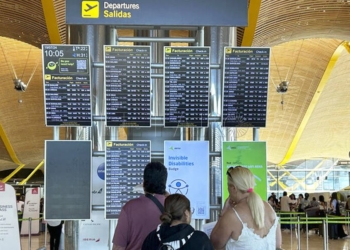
[{"x": 269, "y": 211}]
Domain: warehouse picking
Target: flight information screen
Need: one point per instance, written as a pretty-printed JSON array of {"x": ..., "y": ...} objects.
[
  {"x": 125, "y": 163},
  {"x": 246, "y": 75},
  {"x": 186, "y": 80},
  {"x": 66, "y": 76},
  {"x": 128, "y": 85}
]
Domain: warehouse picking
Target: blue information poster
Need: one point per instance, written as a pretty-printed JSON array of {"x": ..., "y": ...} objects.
[{"x": 188, "y": 173}]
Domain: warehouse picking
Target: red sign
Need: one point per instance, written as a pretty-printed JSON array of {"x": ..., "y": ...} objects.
[
  {"x": 35, "y": 190},
  {"x": 2, "y": 187}
]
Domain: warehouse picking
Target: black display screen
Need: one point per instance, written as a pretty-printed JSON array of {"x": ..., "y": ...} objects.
[
  {"x": 246, "y": 75},
  {"x": 186, "y": 79},
  {"x": 128, "y": 85},
  {"x": 66, "y": 76},
  {"x": 125, "y": 163},
  {"x": 67, "y": 180}
]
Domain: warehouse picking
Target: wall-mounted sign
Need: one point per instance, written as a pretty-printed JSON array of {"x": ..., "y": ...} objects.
[
  {"x": 66, "y": 76},
  {"x": 187, "y": 163},
  {"x": 158, "y": 12},
  {"x": 186, "y": 91},
  {"x": 128, "y": 85},
  {"x": 125, "y": 163},
  {"x": 251, "y": 155},
  {"x": 246, "y": 76}
]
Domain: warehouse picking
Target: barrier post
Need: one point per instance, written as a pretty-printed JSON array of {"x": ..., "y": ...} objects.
[
  {"x": 30, "y": 233},
  {"x": 307, "y": 230},
  {"x": 348, "y": 220},
  {"x": 45, "y": 235},
  {"x": 299, "y": 245},
  {"x": 325, "y": 236}
]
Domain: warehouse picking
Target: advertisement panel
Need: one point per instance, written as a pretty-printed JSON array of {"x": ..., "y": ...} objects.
[
  {"x": 188, "y": 173},
  {"x": 92, "y": 233},
  {"x": 31, "y": 210},
  {"x": 251, "y": 155},
  {"x": 98, "y": 181},
  {"x": 9, "y": 230}
]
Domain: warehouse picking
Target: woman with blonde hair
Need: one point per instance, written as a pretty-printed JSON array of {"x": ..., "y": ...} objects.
[{"x": 246, "y": 221}]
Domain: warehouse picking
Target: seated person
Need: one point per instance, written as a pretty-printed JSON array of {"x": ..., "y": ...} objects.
[{"x": 175, "y": 232}]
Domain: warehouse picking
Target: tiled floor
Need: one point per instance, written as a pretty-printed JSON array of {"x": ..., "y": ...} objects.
[
  {"x": 312, "y": 242},
  {"x": 290, "y": 242}
]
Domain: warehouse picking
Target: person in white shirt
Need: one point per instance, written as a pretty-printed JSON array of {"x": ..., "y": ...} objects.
[
  {"x": 20, "y": 204},
  {"x": 285, "y": 207},
  {"x": 55, "y": 230}
]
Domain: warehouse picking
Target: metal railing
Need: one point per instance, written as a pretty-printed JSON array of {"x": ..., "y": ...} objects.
[
  {"x": 30, "y": 220},
  {"x": 297, "y": 219}
]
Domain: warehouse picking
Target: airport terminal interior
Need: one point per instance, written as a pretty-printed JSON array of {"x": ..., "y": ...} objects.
[{"x": 307, "y": 114}]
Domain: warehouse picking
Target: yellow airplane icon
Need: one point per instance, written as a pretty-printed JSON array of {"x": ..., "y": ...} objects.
[{"x": 90, "y": 9}]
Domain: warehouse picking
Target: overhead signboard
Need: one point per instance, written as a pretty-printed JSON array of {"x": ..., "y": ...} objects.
[
  {"x": 158, "y": 12},
  {"x": 186, "y": 91},
  {"x": 66, "y": 76},
  {"x": 128, "y": 85},
  {"x": 246, "y": 76},
  {"x": 125, "y": 163}
]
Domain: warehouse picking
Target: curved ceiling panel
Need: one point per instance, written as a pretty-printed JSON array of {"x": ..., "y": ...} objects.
[
  {"x": 327, "y": 132},
  {"x": 24, "y": 21},
  {"x": 22, "y": 113},
  {"x": 282, "y": 21}
]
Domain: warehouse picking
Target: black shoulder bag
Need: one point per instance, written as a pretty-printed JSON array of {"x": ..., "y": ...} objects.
[{"x": 156, "y": 201}]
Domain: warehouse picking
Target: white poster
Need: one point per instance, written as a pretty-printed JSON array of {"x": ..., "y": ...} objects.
[
  {"x": 31, "y": 210},
  {"x": 93, "y": 233},
  {"x": 188, "y": 173},
  {"x": 9, "y": 230},
  {"x": 98, "y": 180}
]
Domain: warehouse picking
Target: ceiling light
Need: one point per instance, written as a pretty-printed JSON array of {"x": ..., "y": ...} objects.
[
  {"x": 282, "y": 87},
  {"x": 19, "y": 85}
]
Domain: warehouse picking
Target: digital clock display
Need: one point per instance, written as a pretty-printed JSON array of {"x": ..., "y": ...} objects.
[
  {"x": 54, "y": 53},
  {"x": 66, "y": 76}
]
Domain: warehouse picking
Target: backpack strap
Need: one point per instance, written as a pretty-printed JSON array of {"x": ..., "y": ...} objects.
[{"x": 156, "y": 201}]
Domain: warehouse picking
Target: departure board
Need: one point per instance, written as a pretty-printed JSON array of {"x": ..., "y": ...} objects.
[
  {"x": 186, "y": 79},
  {"x": 66, "y": 76},
  {"x": 246, "y": 75},
  {"x": 128, "y": 85},
  {"x": 125, "y": 163}
]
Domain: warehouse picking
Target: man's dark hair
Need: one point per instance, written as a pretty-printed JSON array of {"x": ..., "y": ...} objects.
[
  {"x": 284, "y": 193},
  {"x": 154, "y": 178}
]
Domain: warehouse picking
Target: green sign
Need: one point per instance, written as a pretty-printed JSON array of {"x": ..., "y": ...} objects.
[{"x": 251, "y": 155}]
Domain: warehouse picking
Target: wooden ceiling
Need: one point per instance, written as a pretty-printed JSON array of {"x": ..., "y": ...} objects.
[{"x": 308, "y": 40}]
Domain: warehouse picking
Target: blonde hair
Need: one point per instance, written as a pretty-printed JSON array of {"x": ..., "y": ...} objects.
[{"x": 243, "y": 179}]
